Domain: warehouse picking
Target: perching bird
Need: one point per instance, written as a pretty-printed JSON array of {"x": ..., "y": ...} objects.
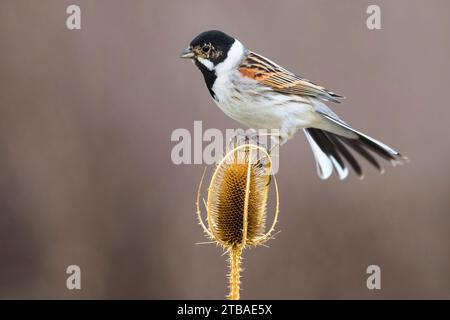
[{"x": 260, "y": 94}]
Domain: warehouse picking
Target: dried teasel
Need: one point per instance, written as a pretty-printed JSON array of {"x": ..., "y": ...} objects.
[{"x": 237, "y": 205}]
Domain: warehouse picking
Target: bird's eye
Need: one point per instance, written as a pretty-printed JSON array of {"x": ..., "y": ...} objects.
[{"x": 206, "y": 48}]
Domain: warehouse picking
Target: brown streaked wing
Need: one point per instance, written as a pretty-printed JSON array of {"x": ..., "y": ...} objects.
[{"x": 279, "y": 79}]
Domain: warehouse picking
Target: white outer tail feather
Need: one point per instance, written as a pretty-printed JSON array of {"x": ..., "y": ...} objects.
[{"x": 325, "y": 163}]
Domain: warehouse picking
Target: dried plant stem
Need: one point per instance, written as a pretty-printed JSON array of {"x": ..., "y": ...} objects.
[{"x": 235, "y": 272}]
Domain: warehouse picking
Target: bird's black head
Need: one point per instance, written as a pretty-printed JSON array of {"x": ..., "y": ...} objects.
[
  {"x": 208, "y": 50},
  {"x": 212, "y": 46}
]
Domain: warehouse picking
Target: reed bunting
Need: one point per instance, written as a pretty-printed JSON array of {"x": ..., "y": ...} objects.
[{"x": 260, "y": 94}]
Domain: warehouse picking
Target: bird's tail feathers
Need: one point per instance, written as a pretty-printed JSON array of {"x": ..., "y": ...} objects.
[{"x": 330, "y": 149}]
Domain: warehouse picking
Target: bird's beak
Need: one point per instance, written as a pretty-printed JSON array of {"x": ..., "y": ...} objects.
[{"x": 187, "y": 53}]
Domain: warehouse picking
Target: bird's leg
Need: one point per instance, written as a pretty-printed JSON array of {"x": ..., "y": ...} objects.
[
  {"x": 252, "y": 136},
  {"x": 244, "y": 137}
]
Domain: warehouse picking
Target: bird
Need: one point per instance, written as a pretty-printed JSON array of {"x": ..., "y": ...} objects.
[{"x": 260, "y": 94}]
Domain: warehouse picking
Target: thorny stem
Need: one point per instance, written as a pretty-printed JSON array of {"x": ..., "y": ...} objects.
[{"x": 235, "y": 272}]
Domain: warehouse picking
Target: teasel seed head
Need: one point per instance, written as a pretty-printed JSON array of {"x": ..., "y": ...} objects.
[{"x": 237, "y": 204}]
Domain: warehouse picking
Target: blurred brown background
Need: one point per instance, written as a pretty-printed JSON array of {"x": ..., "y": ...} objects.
[{"x": 86, "y": 176}]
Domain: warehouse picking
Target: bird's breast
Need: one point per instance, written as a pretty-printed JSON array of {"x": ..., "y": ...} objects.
[{"x": 245, "y": 101}]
